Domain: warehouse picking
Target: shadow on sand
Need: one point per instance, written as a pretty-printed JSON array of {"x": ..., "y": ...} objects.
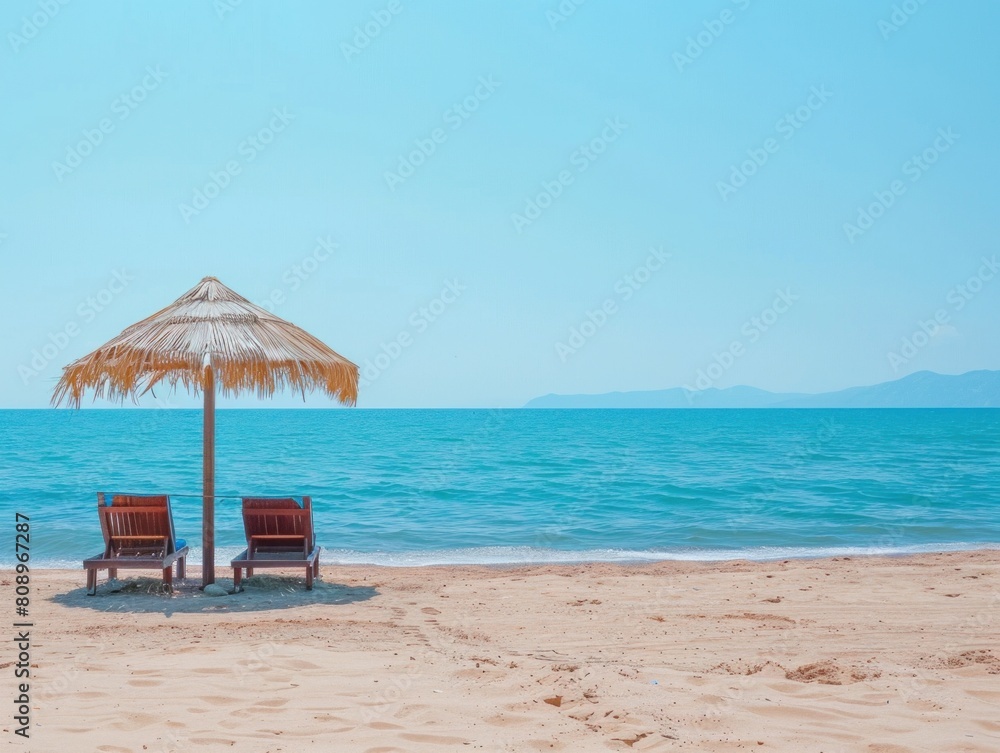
[{"x": 260, "y": 593}]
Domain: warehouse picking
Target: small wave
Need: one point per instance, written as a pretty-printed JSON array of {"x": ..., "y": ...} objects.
[
  {"x": 513, "y": 555},
  {"x": 539, "y": 556}
]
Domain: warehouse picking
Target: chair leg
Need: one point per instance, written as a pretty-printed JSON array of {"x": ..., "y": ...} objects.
[
  {"x": 237, "y": 578},
  {"x": 91, "y": 582},
  {"x": 316, "y": 567},
  {"x": 309, "y": 577},
  {"x": 181, "y": 568},
  {"x": 112, "y": 573},
  {"x": 249, "y": 572},
  {"x": 168, "y": 579}
]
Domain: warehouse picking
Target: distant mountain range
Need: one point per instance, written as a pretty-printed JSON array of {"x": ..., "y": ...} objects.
[{"x": 924, "y": 389}]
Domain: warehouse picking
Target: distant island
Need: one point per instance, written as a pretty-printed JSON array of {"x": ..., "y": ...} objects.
[{"x": 924, "y": 389}]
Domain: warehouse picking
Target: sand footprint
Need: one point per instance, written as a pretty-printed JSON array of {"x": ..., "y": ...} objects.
[
  {"x": 135, "y": 720},
  {"x": 212, "y": 741},
  {"x": 268, "y": 707},
  {"x": 298, "y": 664},
  {"x": 433, "y": 739},
  {"x": 273, "y": 702},
  {"x": 217, "y": 700}
]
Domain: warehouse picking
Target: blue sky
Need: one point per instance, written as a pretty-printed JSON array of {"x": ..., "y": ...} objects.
[{"x": 534, "y": 196}]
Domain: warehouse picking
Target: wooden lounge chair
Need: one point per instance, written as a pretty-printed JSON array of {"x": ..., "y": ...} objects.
[
  {"x": 138, "y": 534},
  {"x": 279, "y": 534}
]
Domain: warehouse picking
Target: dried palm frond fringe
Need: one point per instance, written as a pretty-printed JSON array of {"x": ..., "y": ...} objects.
[{"x": 249, "y": 348}]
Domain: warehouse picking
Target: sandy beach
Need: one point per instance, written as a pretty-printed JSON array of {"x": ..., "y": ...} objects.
[{"x": 885, "y": 655}]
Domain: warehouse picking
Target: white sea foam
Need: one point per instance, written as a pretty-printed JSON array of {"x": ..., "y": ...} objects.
[{"x": 511, "y": 555}]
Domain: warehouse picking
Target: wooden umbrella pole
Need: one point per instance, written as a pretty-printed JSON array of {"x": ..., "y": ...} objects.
[{"x": 208, "y": 482}]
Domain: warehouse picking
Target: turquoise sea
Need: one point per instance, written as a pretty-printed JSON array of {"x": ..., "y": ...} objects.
[{"x": 404, "y": 487}]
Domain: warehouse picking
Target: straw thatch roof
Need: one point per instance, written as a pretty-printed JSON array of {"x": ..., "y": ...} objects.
[{"x": 250, "y": 350}]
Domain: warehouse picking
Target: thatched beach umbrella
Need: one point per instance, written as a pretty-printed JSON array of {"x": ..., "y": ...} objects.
[{"x": 209, "y": 339}]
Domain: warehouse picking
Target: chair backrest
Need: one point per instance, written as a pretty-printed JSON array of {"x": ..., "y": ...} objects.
[
  {"x": 136, "y": 515},
  {"x": 278, "y": 516}
]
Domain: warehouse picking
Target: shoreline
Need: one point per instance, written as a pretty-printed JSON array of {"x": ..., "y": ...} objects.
[
  {"x": 362, "y": 570},
  {"x": 773, "y": 554},
  {"x": 886, "y": 654}
]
